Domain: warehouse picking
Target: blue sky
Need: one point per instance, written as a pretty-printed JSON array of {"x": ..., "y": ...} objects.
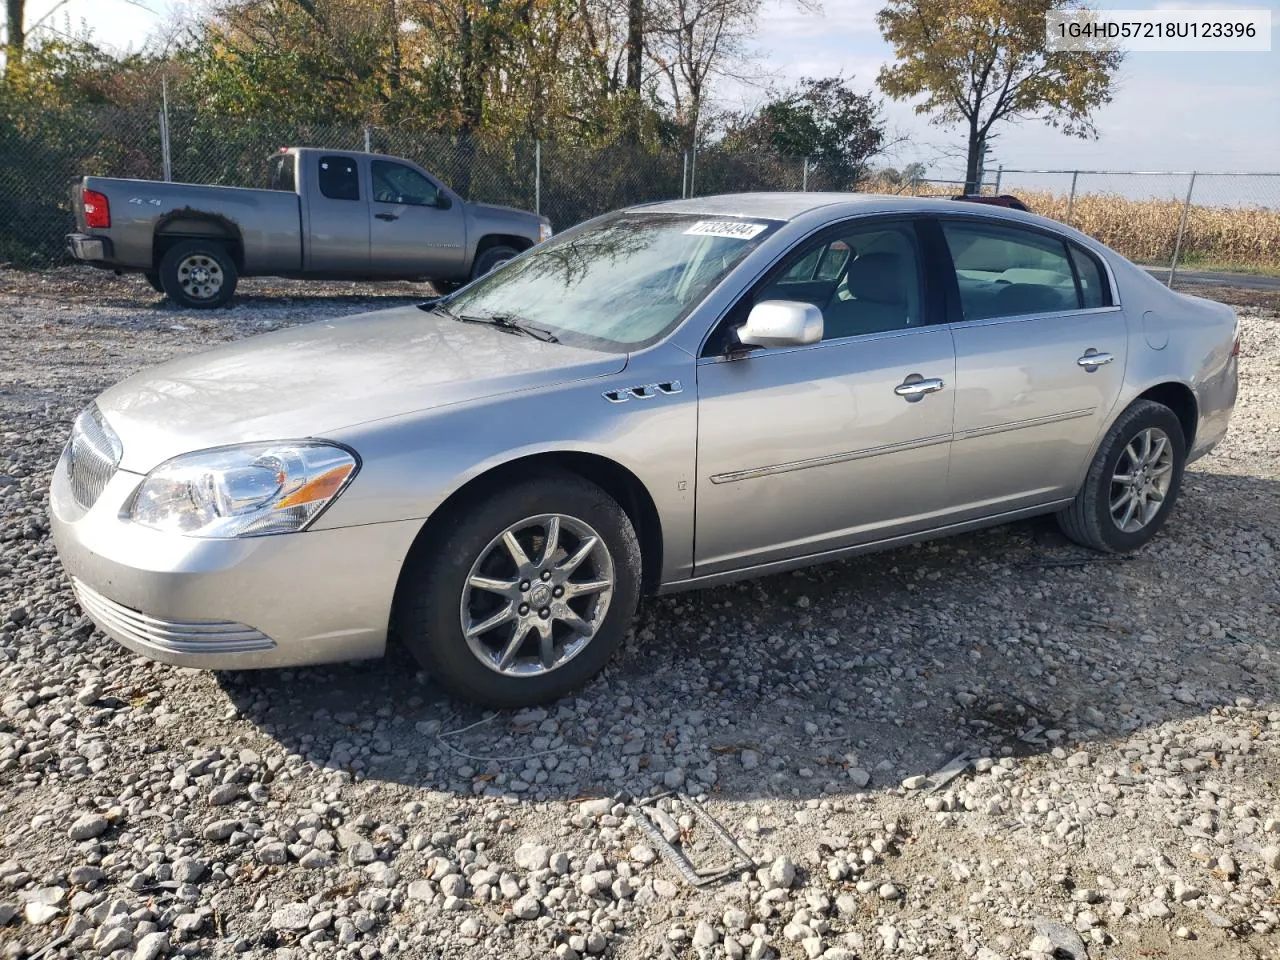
[{"x": 1172, "y": 111}]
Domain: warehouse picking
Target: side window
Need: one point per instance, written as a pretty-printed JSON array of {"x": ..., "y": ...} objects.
[
  {"x": 339, "y": 179},
  {"x": 282, "y": 172},
  {"x": 1007, "y": 272},
  {"x": 1095, "y": 291},
  {"x": 864, "y": 279},
  {"x": 396, "y": 183}
]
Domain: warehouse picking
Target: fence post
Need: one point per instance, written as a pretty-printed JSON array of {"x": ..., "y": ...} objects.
[
  {"x": 684, "y": 174},
  {"x": 999, "y": 174},
  {"x": 1182, "y": 229},
  {"x": 1071, "y": 198},
  {"x": 166, "y": 155},
  {"x": 804, "y": 180},
  {"x": 693, "y": 168},
  {"x": 368, "y": 144},
  {"x": 537, "y": 176}
]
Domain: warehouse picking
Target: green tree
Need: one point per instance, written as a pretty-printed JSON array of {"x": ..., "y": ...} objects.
[
  {"x": 836, "y": 127},
  {"x": 981, "y": 62}
]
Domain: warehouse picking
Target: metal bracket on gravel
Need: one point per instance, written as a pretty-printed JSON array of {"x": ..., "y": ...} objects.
[{"x": 691, "y": 873}]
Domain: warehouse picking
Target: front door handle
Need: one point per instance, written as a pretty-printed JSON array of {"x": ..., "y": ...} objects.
[
  {"x": 915, "y": 387},
  {"x": 387, "y": 216},
  {"x": 1092, "y": 360}
]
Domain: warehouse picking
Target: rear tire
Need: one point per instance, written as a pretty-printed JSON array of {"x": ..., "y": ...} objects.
[
  {"x": 468, "y": 575},
  {"x": 200, "y": 274},
  {"x": 491, "y": 259},
  {"x": 1133, "y": 482}
]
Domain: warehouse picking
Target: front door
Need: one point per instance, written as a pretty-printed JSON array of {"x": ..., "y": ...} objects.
[
  {"x": 410, "y": 233},
  {"x": 1040, "y": 359},
  {"x": 803, "y": 450}
]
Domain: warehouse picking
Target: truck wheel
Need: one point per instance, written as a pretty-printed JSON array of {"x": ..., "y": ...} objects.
[
  {"x": 491, "y": 259},
  {"x": 153, "y": 278},
  {"x": 199, "y": 274}
]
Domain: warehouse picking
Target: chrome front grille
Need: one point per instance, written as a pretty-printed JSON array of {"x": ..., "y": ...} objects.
[
  {"x": 93, "y": 454},
  {"x": 173, "y": 636}
]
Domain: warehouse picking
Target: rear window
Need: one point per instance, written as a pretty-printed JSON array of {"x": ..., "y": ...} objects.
[
  {"x": 1005, "y": 271},
  {"x": 282, "y": 173},
  {"x": 339, "y": 179},
  {"x": 1094, "y": 289}
]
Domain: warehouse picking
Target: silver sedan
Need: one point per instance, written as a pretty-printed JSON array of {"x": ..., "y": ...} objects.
[{"x": 663, "y": 398}]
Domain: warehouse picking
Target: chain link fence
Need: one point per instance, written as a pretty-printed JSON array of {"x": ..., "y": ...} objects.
[{"x": 1201, "y": 220}]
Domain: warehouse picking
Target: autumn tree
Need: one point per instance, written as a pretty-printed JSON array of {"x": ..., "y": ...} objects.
[
  {"x": 982, "y": 62},
  {"x": 15, "y": 31}
]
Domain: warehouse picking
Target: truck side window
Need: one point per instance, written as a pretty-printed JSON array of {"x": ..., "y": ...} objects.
[
  {"x": 282, "y": 176},
  {"x": 338, "y": 178},
  {"x": 396, "y": 183}
]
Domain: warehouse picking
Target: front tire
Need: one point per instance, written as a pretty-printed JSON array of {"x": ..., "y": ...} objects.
[
  {"x": 491, "y": 259},
  {"x": 525, "y": 596},
  {"x": 200, "y": 274},
  {"x": 1133, "y": 482}
]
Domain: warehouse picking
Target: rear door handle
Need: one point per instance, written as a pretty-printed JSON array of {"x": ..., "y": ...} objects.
[
  {"x": 915, "y": 387},
  {"x": 387, "y": 216},
  {"x": 1092, "y": 359}
]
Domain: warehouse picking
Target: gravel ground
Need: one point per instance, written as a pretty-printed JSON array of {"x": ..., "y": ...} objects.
[{"x": 1123, "y": 717}]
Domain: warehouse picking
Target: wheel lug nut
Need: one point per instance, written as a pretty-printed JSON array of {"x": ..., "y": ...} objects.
[
  {"x": 546, "y": 574},
  {"x": 524, "y": 608},
  {"x": 558, "y": 592},
  {"x": 524, "y": 584},
  {"x": 544, "y": 612}
]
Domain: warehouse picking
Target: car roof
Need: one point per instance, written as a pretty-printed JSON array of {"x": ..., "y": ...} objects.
[{"x": 792, "y": 205}]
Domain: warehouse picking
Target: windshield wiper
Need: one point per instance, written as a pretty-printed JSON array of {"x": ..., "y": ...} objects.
[{"x": 513, "y": 323}]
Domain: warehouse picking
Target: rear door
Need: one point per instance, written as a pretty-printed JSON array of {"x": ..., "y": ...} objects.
[
  {"x": 337, "y": 239},
  {"x": 1041, "y": 347},
  {"x": 415, "y": 227}
]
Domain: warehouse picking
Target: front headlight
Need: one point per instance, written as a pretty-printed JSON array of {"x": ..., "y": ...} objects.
[
  {"x": 243, "y": 491},
  {"x": 544, "y": 232}
]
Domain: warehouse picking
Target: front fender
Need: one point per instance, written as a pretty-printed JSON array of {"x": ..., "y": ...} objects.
[{"x": 412, "y": 464}]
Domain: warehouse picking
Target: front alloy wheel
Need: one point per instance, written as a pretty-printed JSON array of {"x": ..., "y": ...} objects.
[
  {"x": 537, "y": 595},
  {"x": 522, "y": 593}
]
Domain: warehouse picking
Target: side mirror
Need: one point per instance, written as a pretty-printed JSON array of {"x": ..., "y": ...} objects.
[
  {"x": 781, "y": 323},
  {"x": 443, "y": 201}
]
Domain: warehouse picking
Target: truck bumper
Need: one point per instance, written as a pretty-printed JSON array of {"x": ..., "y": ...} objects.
[{"x": 84, "y": 247}]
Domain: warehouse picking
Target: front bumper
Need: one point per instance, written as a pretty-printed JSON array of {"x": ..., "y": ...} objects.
[
  {"x": 82, "y": 246},
  {"x": 273, "y": 601}
]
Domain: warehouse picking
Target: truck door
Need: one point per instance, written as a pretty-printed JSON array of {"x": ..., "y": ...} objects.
[
  {"x": 416, "y": 229},
  {"x": 337, "y": 239}
]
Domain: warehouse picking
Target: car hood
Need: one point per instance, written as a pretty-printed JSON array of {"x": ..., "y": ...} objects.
[{"x": 309, "y": 381}]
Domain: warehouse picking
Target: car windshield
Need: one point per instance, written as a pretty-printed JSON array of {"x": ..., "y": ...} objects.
[{"x": 618, "y": 284}]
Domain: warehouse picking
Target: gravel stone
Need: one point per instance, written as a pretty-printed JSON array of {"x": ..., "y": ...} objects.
[{"x": 1123, "y": 717}]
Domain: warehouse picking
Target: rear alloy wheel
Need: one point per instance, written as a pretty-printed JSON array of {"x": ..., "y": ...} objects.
[
  {"x": 199, "y": 274},
  {"x": 1133, "y": 482},
  {"x": 526, "y": 596}
]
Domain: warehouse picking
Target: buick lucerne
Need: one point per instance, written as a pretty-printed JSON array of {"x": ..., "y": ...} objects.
[{"x": 665, "y": 397}]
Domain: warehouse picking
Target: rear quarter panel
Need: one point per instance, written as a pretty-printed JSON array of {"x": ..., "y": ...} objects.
[
  {"x": 1175, "y": 338},
  {"x": 266, "y": 220}
]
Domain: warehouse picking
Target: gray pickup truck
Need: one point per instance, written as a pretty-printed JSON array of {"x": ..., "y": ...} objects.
[{"x": 328, "y": 214}]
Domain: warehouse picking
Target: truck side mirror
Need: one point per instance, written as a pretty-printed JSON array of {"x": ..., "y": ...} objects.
[{"x": 443, "y": 201}]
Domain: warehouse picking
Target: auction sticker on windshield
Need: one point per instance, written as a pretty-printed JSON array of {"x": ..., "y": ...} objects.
[{"x": 730, "y": 229}]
